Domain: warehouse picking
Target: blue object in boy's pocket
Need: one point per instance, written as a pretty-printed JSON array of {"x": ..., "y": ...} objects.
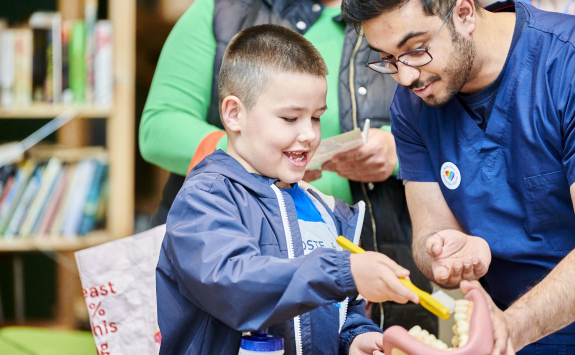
[{"x": 261, "y": 343}]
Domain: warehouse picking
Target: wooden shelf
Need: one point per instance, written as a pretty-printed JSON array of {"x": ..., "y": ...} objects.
[
  {"x": 55, "y": 243},
  {"x": 51, "y": 111}
]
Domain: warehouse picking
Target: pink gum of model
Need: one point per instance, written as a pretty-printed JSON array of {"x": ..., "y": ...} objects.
[{"x": 397, "y": 341}]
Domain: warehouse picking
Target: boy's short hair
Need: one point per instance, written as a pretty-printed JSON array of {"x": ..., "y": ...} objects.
[{"x": 256, "y": 52}]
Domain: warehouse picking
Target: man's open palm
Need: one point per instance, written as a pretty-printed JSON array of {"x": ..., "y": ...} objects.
[{"x": 457, "y": 256}]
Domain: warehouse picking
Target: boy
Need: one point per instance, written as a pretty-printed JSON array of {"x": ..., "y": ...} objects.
[{"x": 247, "y": 247}]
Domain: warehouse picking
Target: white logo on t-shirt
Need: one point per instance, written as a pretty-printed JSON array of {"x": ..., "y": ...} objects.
[{"x": 450, "y": 175}]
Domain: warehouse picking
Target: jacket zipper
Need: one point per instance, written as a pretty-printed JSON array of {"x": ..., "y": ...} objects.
[
  {"x": 291, "y": 255},
  {"x": 355, "y": 125}
]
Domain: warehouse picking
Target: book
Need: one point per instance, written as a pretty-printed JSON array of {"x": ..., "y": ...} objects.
[
  {"x": 3, "y": 26},
  {"x": 22, "y": 67},
  {"x": 91, "y": 206},
  {"x": 80, "y": 185},
  {"x": 90, "y": 17},
  {"x": 23, "y": 204},
  {"x": 6, "y": 189},
  {"x": 47, "y": 63},
  {"x": 103, "y": 64},
  {"x": 20, "y": 182},
  {"x": 7, "y": 69},
  {"x": 60, "y": 213},
  {"x": 77, "y": 61},
  {"x": 67, "y": 96},
  {"x": 54, "y": 202},
  {"x": 48, "y": 180}
]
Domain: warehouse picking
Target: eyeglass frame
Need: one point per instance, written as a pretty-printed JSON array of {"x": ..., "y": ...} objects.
[{"x": 426, "y": 50}]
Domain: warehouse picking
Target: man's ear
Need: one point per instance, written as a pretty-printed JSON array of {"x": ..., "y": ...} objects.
[
  {"x": 466, "y": 14},
  {"x": 232, "y": 111}
]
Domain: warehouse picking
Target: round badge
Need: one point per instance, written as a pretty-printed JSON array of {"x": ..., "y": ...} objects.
[{"x": 450, "y": 175}]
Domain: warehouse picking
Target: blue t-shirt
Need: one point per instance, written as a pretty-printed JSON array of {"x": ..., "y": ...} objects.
[
  {"x": 509, "y": 185},
  {"x": 315, "y": 233},
  {"x": 480, "y": 105}
]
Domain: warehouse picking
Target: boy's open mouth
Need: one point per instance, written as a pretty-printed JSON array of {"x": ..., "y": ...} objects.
[{"x": 298, "y": 158}]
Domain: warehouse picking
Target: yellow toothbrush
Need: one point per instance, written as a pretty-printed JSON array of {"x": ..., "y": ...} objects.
[{"x": 425, "y": 299}]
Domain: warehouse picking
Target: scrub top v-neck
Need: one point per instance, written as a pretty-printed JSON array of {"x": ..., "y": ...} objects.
[{"x": 509, "y": 184}]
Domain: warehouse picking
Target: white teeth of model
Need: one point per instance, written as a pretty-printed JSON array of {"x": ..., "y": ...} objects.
[
  {"x": 455, "y": 341},
  {"x": 460, "y": 309},
  {"x": 461, "y": 302},
  {"x": 415, "y": 331},
  {"x": 462, "y": 317},
  {"x": 462, "y": 327},
  {"x": 459, "y": 316}
]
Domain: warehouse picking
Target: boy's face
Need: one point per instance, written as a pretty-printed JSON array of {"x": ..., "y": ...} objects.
[{"x": 281, "y": 132}]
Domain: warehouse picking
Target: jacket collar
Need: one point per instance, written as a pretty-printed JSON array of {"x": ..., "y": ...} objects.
[{"x": 221, "y": 163}]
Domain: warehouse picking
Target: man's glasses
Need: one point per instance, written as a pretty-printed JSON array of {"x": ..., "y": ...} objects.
[{"x": 415, "y": 58}]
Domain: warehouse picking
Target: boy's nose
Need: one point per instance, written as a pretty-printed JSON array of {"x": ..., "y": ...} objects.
[
  {"x": 406, "y": 75},
  {"x": 307, "y": 133}
]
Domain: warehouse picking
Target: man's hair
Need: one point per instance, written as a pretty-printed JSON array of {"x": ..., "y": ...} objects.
[
  {"x": 256, "y": 52},
  {"x": 357, "y": 11}
]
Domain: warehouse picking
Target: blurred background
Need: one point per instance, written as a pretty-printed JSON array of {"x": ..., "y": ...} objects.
[{"x": 104, "y": 56}]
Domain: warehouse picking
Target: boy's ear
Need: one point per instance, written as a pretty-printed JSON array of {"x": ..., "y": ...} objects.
[{"x": 232, "y": 109}]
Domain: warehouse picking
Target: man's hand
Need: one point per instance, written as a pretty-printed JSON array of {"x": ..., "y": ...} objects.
[
  {"x": 372, "y": 162},
  {"x": 311, "y": 175},
  {"x": 457, "y": 256},
  {"x": 367, "y": 344},
  {"x": 376, "y": 278},
  {"x": 501, "y": 325}
]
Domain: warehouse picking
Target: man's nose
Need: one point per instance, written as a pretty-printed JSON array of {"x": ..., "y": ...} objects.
[{"x": 406, "y": 75}]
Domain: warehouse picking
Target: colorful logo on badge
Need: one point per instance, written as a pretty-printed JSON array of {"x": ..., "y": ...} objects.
[{"x": 450, "y": 175}]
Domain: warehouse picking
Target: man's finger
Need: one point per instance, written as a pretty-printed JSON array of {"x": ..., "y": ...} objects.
[
  {"x": 441, "y": 273},
  {"x": 434, "y": 245}
]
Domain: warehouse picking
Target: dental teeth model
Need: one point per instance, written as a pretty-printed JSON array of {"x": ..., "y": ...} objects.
[
  {"x": 473, "y": 332},
  {"x": 462, "y": 316}
]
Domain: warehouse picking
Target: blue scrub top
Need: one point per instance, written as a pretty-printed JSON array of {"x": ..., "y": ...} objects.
[{"x": 509, "y": 184}]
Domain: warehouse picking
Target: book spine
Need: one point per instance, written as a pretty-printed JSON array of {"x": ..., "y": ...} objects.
[
  {"x": 39, "y": 63},
  {"x": 23, "y": 67},
  {"x": 90, "y": 16},
  {"x": 91, "y": 205},
  {"x": 3, "y": 26},
  {"x": 23, "y": 205},
  {"x": 103, "y": 64},
  {"x": 77, "y": 61},
  {"x": 7, "y": 77},
  {"x": 67, "y": 96},
  {"x": 49, "y": 80},
  {"x": 56, "y": 57}
]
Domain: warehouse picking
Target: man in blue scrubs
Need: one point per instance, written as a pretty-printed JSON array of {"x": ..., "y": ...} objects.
[{"x": 484, "y": 122}]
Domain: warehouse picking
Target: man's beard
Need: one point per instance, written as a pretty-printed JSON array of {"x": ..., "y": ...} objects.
[{"x": 456, "y": 72}]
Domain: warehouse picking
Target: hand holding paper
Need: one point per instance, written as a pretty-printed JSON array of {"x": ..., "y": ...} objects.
[{"x": 373, "y": 161}]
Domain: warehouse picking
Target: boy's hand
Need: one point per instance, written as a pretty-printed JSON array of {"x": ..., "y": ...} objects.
[
  {"x": 367, "y": 344},
  {"x": 376, "y": 278}
]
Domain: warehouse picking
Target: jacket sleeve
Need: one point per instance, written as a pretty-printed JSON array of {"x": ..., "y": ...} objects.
[
  {"x": 356, "y": 323},
  {"x": 220, "y": 268},
  {"x": 174, "y": 119}
]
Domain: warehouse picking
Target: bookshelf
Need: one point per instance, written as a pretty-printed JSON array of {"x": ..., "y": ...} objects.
[
  {"x": 120, "y": 146},
  {"x": 51, "y": 111}
]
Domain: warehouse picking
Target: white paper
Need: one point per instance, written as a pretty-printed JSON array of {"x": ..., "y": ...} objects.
[
  {"x": 119, "y": 282},
  {"x": 335, "y": 145}
]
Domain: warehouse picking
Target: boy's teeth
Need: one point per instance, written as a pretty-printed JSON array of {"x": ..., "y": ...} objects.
[{"x": 296, "y": 156}]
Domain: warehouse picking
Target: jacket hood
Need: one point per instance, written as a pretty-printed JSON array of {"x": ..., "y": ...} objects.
[{"x": 221, "y": 163}]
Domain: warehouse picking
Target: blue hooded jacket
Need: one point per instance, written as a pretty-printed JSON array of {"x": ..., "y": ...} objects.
[{"x": 232, "y": 261}]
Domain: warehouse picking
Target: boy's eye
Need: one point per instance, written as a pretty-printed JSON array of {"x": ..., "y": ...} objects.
[
  {"x": 316, "y": 119},
  {"x": 289, "y": 119}
]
